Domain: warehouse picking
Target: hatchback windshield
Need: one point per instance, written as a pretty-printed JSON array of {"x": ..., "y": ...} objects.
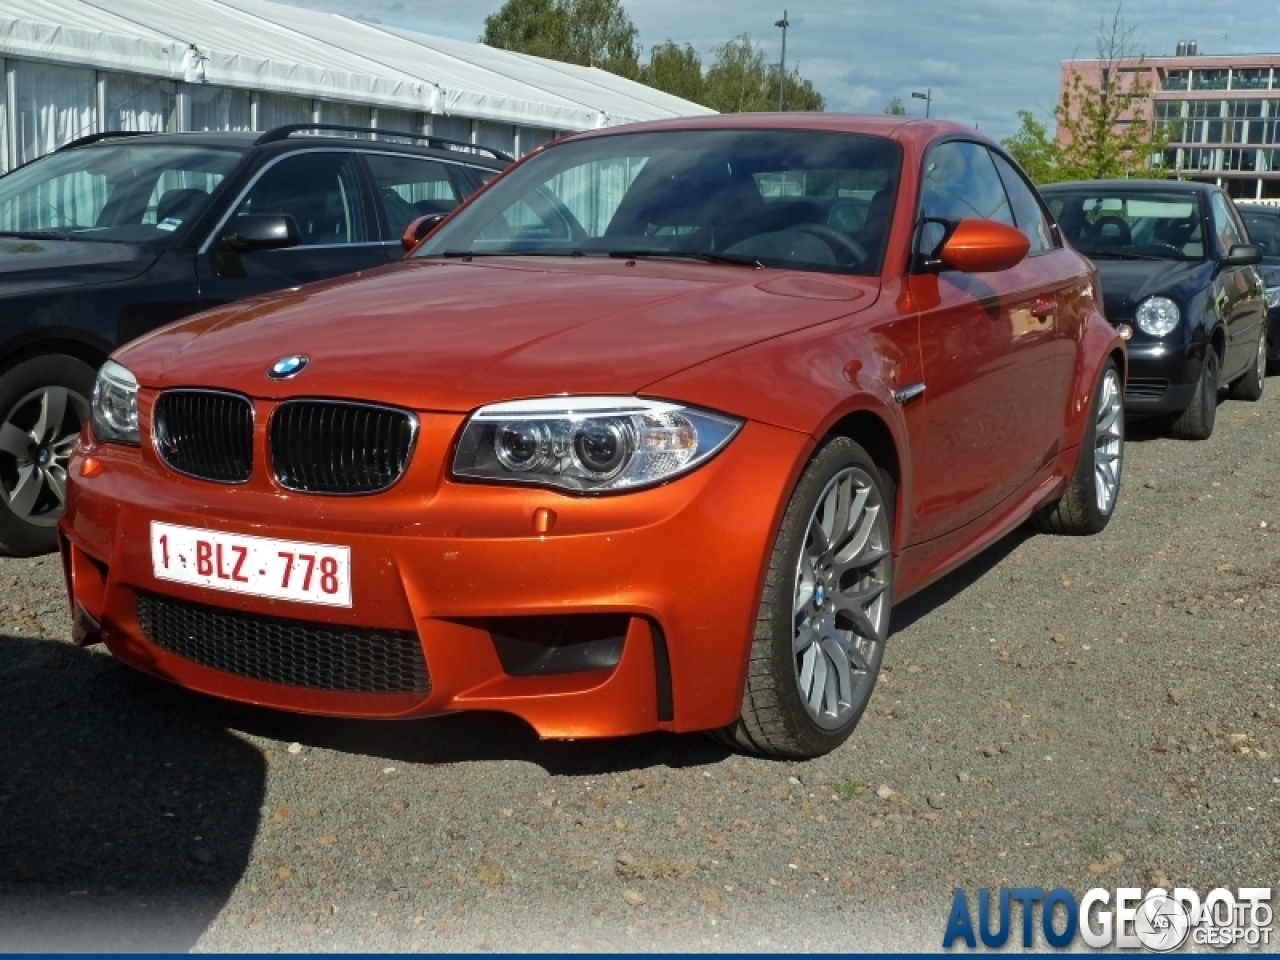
[
  {"x": 1122, "y": 224},
  {"x": 1264, "y": 230},
  {"x": 131, "y": 193},
  {"x": 797, "y": 199}
]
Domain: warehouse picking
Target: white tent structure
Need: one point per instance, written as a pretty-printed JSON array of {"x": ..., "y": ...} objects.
[{"x": 75, "y": 67}]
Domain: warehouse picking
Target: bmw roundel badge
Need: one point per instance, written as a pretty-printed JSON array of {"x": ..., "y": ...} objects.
[{"x": 287, "y": 367}]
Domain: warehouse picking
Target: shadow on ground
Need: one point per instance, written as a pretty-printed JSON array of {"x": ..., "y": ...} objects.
[{"x": 127, "y": 810}]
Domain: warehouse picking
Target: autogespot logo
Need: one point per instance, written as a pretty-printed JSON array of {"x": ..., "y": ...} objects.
[{"x": 1160, "y": 921}]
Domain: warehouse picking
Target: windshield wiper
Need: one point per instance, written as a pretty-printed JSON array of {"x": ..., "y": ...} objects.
[
  {"x": 35, "y": 234},
  {"x": 468, "y": 254},
  {"x": 1122, "y": 255},
  {"x": 700, "y": 256}
]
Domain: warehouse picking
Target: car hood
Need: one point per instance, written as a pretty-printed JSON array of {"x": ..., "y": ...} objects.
[
  {"x": 1126, "y": 283},
  {"x": 32, "y": 265},
  {"x": 1271, "y": 271},
  {"x": 453, "y": 335}
]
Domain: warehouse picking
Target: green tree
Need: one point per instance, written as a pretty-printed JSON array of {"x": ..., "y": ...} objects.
[
  {"x": 1103, "y": 131},
  {"x": 1034, "y": 149},
  {"x": 675, "y": 70},
  {"x": 739, "y": 81},
  {"x": 592, "y": 33},
  {"x": 798, "y": 93},
  {"x": 895, "y": 107}
]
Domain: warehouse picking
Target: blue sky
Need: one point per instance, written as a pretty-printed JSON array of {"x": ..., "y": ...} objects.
[{"x": 983, "y": 59}]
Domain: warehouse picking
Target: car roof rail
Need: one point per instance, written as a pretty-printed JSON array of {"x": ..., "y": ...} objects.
[
  {"x": 105, "y": 135},
  {"x": 276, "y": 134}
]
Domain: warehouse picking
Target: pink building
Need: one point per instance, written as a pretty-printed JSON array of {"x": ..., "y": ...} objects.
[{"x": 1222, "y": 114}]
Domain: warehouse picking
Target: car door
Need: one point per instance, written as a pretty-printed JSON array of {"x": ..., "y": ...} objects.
[
  {"x": 1236, "y": 291},
  {"x": 407, "y": 187},
  {"x": 996, "y": 350},
  {"x": 323, "y": 192}
]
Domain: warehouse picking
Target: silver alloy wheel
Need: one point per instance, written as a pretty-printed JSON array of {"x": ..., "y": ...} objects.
[
  {"x": 36, "y": 440},
  {"x": 840, "y": 608},
  {"x": 1108, "y": 443}
]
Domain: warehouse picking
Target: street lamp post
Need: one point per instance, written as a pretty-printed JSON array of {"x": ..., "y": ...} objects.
[
  {"x": 927, "y": 97},
  {"x": 782, "y": 69}
]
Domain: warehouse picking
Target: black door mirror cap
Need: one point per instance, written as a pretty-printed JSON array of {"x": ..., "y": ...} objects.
[
  {"x": 1243, "y": 255},
  {"x": 262, "y": 231}
]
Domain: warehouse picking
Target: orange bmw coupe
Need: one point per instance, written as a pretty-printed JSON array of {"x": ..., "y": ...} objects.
[{"x": 650, "y": 434}]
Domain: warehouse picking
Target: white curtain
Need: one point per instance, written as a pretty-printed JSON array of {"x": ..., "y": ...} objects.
[
  {"x": 533, "y": 137},
  {"x": 54, "y": 106},
  {"x": 276, "y": 110},
  {"x": 345, "y": 114},
  {"x": 500, "y": 136},
  {"x": 220, "y": 108},
  {"x": 451, "y": 128},
  {"x": 4, "y": 120},
  {"x": 402, "y": 120},
  {"x": 140, "y": 103}
]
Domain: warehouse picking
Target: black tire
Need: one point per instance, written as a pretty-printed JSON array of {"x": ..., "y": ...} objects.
[
  {"x": 1196, "y": 422},
  {"x": 33, "y": 467},
  {"x": 1084, "y": 509},
  {"x": 1251, "y": 386},
  {"x": 777, "y": 719}
]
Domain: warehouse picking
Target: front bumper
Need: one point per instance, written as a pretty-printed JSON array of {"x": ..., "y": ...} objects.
[
  {"x": 1162, "y": 377},
  {"x": 454, "y": 565}
]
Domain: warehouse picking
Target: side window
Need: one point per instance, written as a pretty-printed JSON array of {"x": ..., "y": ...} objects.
[
  {"x": 1027, "y": 212},
  {"x": 960, "y": 181},
  {"x": 319, "y": 190},
  {"x": 409, "y": 188},
  {"x": 1225, "y": 224}
]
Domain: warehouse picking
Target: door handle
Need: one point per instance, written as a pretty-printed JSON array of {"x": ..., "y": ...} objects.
[{"x": 1043, "y": 308}]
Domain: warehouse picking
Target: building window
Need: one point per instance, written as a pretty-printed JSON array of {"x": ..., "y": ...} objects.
[
  {"x": 1210, "y": 79},
  {"x": 1252, "y": 78},
  {"x": 1176, "y": 80}
]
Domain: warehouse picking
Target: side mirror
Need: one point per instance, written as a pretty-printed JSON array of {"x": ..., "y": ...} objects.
[
  {"x": 1243, "y": 255},
  {"x": 983, "y": 246},
  {"x": 273, "y": 231},
  {"x": 417, "y": 230}
]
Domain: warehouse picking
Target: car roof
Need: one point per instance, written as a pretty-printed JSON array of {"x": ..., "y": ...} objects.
[
  {"x": 1131, "y": 186},
  {"x": 1258, "y": 208},
  {"x": 248, "y": 139}
]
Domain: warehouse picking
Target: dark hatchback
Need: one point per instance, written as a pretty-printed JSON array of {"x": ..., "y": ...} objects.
[
  {"x": 1176, "y": 266},
  {"x": 1263, "y": 224},
  {"x": 115, "y": 235}
]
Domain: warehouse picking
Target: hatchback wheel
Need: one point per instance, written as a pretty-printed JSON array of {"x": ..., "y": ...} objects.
[
  {"x": 1251, "y": 386},
  {"x": 44, "y": 403},
  {"x": 824, "y": 615},
  {"x": 1196, "y": 422},
  {"x": 1094, "y": 488}
]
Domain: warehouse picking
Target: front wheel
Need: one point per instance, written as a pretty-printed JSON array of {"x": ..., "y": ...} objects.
[
  {"x": 1251, "y": 386},
  {"x": 1094, "y": 488},
  {"x": 44, "y": 403},
  {"x": 824, "y": 614},
  {"x": 1196, "y": 422}
]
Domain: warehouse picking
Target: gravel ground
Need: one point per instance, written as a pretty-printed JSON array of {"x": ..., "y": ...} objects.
[{"x": 1074, "y": 712}]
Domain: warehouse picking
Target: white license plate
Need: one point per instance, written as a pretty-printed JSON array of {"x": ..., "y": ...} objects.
[{"x": 281, "y": 569}]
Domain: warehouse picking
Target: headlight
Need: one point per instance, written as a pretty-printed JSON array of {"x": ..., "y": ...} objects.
[
  {"x": 1157, "y": 316},
  {"x": 589, "y": 444},
  {"x": 115, "y": 405},
  {"x": 1273, "y": 297}
]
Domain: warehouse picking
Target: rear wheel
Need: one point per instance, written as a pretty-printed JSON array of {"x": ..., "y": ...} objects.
[
  {"x": 1251, "y": 386},
  {"x": 1091, "y": 495},
  {"x": 1196, "y": 422},
  {"x": 824, "y": 614},
  {"x": 44, "y": 402}
]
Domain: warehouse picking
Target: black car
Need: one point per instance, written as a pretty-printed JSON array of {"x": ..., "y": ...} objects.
[
  {"x": 116, "y": 234},
  {"x": 1176, "y": 265},
  {"x": 1263, "y": 224}
]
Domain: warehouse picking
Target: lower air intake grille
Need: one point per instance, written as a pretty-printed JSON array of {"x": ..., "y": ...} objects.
[
  {"x": 291, "y": 652},
  {"x": 205, "y": 434},
  {"x": 329, "y": 446},
  {"x": 1139, "y": 388}
]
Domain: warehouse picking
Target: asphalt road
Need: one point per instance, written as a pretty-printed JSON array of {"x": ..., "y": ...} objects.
[{"x": 1059, "y": 712}]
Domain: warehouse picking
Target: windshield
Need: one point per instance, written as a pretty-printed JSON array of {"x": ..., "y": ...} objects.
[
  {"x": 1119, "y": 224},
  {"x": 131, "y": 193},
  {"x": 1264, "y": 230},
  {"x": 795, "y": 199}
]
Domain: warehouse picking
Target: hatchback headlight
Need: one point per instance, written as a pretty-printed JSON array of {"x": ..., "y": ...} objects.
[
  {"x": 1273, "y": 297},
  {"x": 1157, "y": 316},
  {"x": 589, "y": 444},
  {"x": 115, "y": 405}
]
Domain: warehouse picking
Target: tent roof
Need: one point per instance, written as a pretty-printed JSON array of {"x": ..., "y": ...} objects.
[{"x": 276, "y": 48}]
